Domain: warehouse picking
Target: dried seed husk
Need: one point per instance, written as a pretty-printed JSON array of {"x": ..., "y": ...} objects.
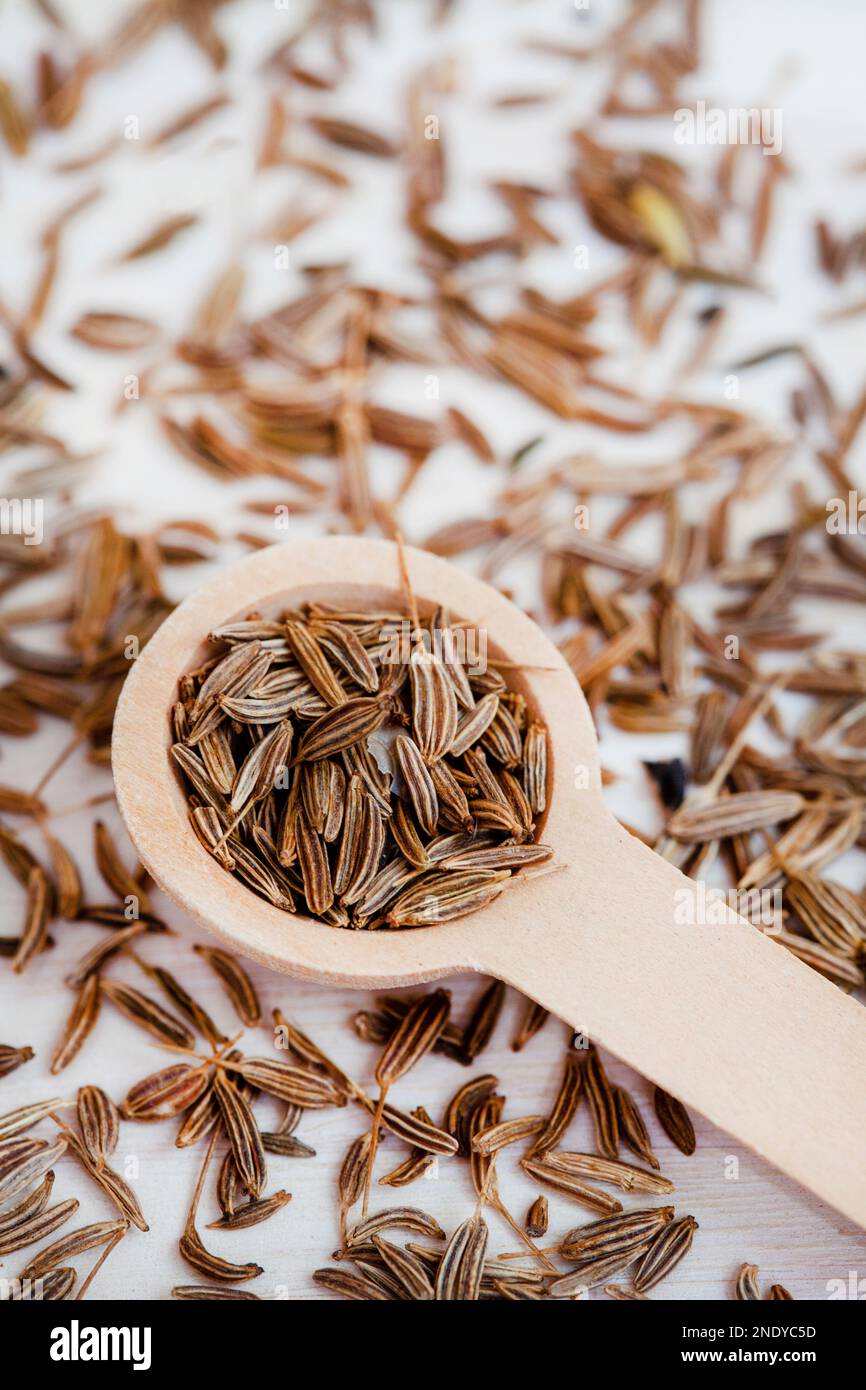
[
  {"x": 67, "y": 881},
  {"x": 419, "y": 783},
  {"x": 406, "y": 1268},
  {"x": 201, "y": 1293},
  {"x": 498, "y": 1136},
  {"x": 670, "y": 1246},
  {"x": 199, "y": 1119},
  {"x": 395, "y": 1218},
  {"x": 22, "y": 1176},
  {"x": 52, "y": 1287},
  {"x": 149, "y": 1015},
  {"x": 747, "y": 1287},
  {"x": 166, "y": 1093},
  {"x": 102, "y": 952},
  {"x": 71, "y": 1245},
  {"x": 243, "y": 1133},
  {"x": 188, "y": 1006},
  {"x": 602, "y": 1104},
  {"x": 31, "y": 1205},
  {"x": 99, "y": 1122},
  {"x": 736, "y": 814},
  {"x": 458, "y": 1277},
  {"x": 116, "y": 1188},
  {"x": 297, "y": 1085},
  {"x": 113, "y": 870},
  {"x": 532, "y": 1022},
  {"x": 350, "y": 1285},
  {"x": 237, "y": 983},
  {"x": 251, "y": 1213},
  {"x": 193, "y": 1251},
  {"x": 778, "y": 1292},
  {"x": 674, "y": 1120},
  {"x": 286, "y": 1145},
  {"x": 608, "y": 1170},
  {"x": 12, "y": 1057},
  {"x": 612, "y": 1234},
  {"x": 569, "y": 1186},
  {"x": 537, "y": 1218},
  {"x": 16, "y": 1121},
  {"x": 565, "y": 1106},
  {"x": 341, "y": 727},
  {"x": 414, "y": 1036},
  {"x": 79, "y": 1024},
  {"x": 35, "y": 1227},
  {"x": 632, "y": 1130},
  {"x": 482, "y": 1021},
  {"x": 434, "y": 704},
  {"x": 264, "y": 764},
  {"x": 36, "y": 917}
]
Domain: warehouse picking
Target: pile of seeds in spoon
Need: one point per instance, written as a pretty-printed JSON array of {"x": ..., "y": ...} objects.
[
  {"x": 289, "y": 409},
  {"x": 296, "y": 787}
]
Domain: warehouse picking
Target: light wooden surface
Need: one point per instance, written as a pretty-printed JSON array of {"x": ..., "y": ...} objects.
[{"x": 746, "y": 1210}]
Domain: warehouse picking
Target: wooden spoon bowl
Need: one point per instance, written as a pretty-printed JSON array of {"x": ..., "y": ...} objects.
[{"x": 715, "y": 1013}]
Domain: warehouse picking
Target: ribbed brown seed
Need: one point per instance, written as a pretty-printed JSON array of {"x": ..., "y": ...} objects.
[
  {"x": 490, "y": 1141},
  {"x": 602, "y": 1103},
  {"x": 67, "y": 882},
  {"x": 595, "y": 1272},
  {"x": 419, "y": 783},
  {"x": 533, "y": 1021},
  {"x": 69, "y": 1246},
  {"x": 535, "y": 767},
  {"x": 227, "y": 675},
  {"x": 612, "y": 1234},
  {"x": 251, "y": 1213},
  {"x": 473, "y": 724},
  {"x": 149, "y": 1015},
  {"x": 12, "y": 1057},
  {"x": 462, "y": 1107},
  {"x": 31, "y": 1205},
  {"x": 459, "y": 1275},
  {"x": 286, "y": 1146},
  {"x": 51, "y": 1288},
  {"x": 632, "y": 1130},
  {"x": 17, "y": 1121},
  {"x": 353, "y": 1175},
  {"x": 263, "y": 765},
  {"x": 779, "y": 1293},
  {"x": 434, "y": 704},
  {"x": 195, "y": 1254},
  {"x": 341, "y": 727},
  {"x": 734, "y": 815},
  {"x": 199, "y": 1119},
  {"x": 570, "y": 1186},
  {"x": 36, "y": 916},
  {"x": 216, "y": 755},
  {"x": 314, "y": 865},
  {"x": 482, "y": 1166},
  {"x": 188, "y": 1006},
  {"x": 608, "y": 1170},
  {"x": 79, "y": 1024},
  {"x": 537, "y": 1218},
  {"x": 417, "y": 1132},
  {"x": 406, "y": 1268},
  {"x": 99, "y": 1122},
  {"x": 406, "y": 837},
  {"x": 203, "y": 1293},
  {"x": 667, "y": 1249},
  {"x": 236, "y": 982},
  {"x": 23, "y": 1175},
  {"x": 396, "y": 1218},
  {"x": 482, "y": 1021},
  {"x": 747, "y": 1287},
  {"x": 674, "y": 1120},
  {"x": 112, "y": 868},
  {"x": 316, "y": 791},
  {"x": 165, "y": 1093},
  {"x": 342, "y": 644},
  {"x": 444, "y": 897},
  {"x": 34, "y": 1228},
  {"x": 564, "y": 1106},
  {"x": 314, "y": 663},
  {"x": 414, "y": 1037},
  {"x": 102, "y": 952},
  {"x": 454, "y": 811},
  {"x": 349, "y": 1285},
  {"x": 116, "y": 1188},
  {"x": 243, "y": 1133},
  {"x": 294, "y": 1084}
]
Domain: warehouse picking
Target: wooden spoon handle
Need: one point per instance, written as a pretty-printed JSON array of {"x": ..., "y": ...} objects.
[{"x": 715, "y": 1012}]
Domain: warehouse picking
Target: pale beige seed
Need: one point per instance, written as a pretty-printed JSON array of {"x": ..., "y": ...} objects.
[
  {"x": 314, "y": 663},
  {"x": 419, "y": 783},
  {"x": 166, "y": 1093},
  {"x": 473, "y": 724},
  {"x": 607, "y": 1170},
  {"x": 747, "y": 1287},
  {"x": 434, "y": 704},
  {"x": 16, "y": 1121},
  {"x": 243, "y": 1133},
  {"x": 22, "y": 1176},
  {"x": 341, "y": 727},
  {"x": 102, "y": 952},
  {"x": 236, "y": 982},
  {"x": 459, "y": 1275},
  {"x": 632, "y": 1129},
  {"x": 490, "y": 1141},
  {"x": 535, "y": 767},
  {"x": 36, "y": 916},
  {"x": 99, "y": 1122},
  {"x": 149, "y": 1015},
  {"x": 69, "y": 1246},
  {"x": 734, "y": 815},
  {"x": 79, "y": 1024},
  {"x": 314, "y": 865},
  {"x": 610, "y": 1235},
  {"x": 35, "y": 1227},
  {"x": 602, "y": 1104}
]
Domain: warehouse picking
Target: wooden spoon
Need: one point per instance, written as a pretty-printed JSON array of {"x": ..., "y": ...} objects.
[{"x": 718, "y": 1015}]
